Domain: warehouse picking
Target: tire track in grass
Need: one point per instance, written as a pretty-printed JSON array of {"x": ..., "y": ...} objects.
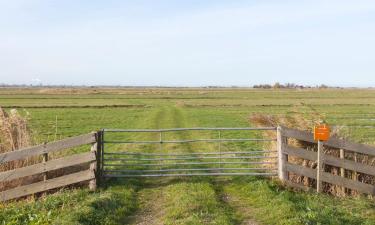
[
  {"x": 203, "y": 195},
  {"x": 202, "y": 200},
  {"x": 152, "y": 191},
  {"x": 186, "y": 200},
  {"x": 192, "y": 200},
  {"x": 149, "y": 195},
  {"x": 241, "y": 212}
]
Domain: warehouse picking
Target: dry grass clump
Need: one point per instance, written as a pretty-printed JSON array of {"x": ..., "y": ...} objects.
[
  {"x": 14, "y": 134},
  {"x": 298, "y": 121}
]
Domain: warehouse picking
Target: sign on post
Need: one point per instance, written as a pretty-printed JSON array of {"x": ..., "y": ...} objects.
[{"x": 321, "y": 132}]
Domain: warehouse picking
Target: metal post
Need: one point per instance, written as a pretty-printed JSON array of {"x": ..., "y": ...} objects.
[
  {"x": 320, "y": 167},
  {"x": 161, "y": 144},
  {"x": 282, "y": 158},
  {"x": 220, "y": 148},
  {"x": 99, "y": 157},
  {"x": 161, "y": 140},
  {"x": 56, "y": 129},
  {"x": 102, "y": 154}
]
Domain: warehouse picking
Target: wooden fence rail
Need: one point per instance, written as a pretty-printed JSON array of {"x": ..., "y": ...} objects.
[
  {"x": 89, "y": 157},
  {"x": 342, "y": 146}
]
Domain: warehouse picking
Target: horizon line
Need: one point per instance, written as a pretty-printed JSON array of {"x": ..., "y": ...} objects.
[{"x": 299, "y": 86}]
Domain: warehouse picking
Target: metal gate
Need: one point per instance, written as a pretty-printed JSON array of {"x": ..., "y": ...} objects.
[{"x": 217, "y": 152}]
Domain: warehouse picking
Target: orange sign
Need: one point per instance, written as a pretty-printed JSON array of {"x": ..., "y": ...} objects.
[{"x": 321, "y": 132}]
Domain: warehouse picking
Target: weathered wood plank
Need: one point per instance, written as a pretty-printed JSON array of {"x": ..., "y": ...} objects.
[
  {"x": 50, "y": 147},
  {"x": 299, "y": 134},
  {"x": 332, "y": 179},
  {"x": 301, "y": 153},
  {"x": 331, "y": 160},
  {"x": 301, "y": 170},
  {"x": 348, "y": 183},
  {"x": 350, "y": 146},
  {"x": 46, "y": 185},
  {"x": 332, "y": 142},
  {"x": 47, "y": 166},
  {"x": 349, "y": 164}
]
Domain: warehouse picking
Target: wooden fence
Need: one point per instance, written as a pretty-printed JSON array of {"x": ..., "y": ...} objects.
[
  {"x": 55, "y": 164},
  {"x": 342, "y": 146}
]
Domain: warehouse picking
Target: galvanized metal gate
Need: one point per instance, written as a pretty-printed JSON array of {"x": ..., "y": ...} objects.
[{"x": 217, "y": 152}]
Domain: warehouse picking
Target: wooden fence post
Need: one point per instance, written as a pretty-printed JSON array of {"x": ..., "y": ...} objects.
[
  {"x": 45, "y": 159},
  {"x": 93, "y": 165},
  {"x": 320, "y": 167},
  {"x": 342, "y": 169},
  {"x": 99, "y": 157},
  {"x": 282, "y": 157},
  {"x": 355, "y": 175}
]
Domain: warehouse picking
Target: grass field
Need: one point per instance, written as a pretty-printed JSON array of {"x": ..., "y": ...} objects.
[{"x": 59, "y": 113}]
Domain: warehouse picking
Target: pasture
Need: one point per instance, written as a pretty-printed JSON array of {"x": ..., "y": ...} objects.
[{"x": 58, "y": 113}]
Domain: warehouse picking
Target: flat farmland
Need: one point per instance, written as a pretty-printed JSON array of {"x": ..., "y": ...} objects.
[
  {"x": 58, "y": 113},
  {"x": 115, "y": 108}
]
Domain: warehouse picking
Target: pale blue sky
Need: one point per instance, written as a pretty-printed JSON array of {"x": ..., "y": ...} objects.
[{"x": 187, "y": 43}]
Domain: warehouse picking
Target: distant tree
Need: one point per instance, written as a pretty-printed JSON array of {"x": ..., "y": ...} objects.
[{"x": 277, "y": 85}]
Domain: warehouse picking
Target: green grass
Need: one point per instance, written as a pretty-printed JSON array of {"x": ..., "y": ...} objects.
[
  {"x": 107, "y": 206},
  {"x": 195, "y": 203},
  {"x": 274, "y": 205},
  {"x": 205, "y": 200}
]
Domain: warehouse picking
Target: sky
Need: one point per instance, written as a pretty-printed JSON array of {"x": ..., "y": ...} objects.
[{"x": 187, "y": 43}]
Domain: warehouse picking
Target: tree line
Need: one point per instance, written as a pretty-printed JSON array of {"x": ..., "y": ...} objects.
[{"x": 278, "y": 85}]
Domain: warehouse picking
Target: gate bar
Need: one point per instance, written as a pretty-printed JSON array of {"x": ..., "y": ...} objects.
[
  {"x": 186, "y": 154},
  {"x": 191, "y": 158},
  {"x": 196, "y": 169},
  {"x": 187, "y": 129},
  {"x": 189, "y": 163},
  {"x": 190, "y": 141},
  {"x": 191, "y": 174}
]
